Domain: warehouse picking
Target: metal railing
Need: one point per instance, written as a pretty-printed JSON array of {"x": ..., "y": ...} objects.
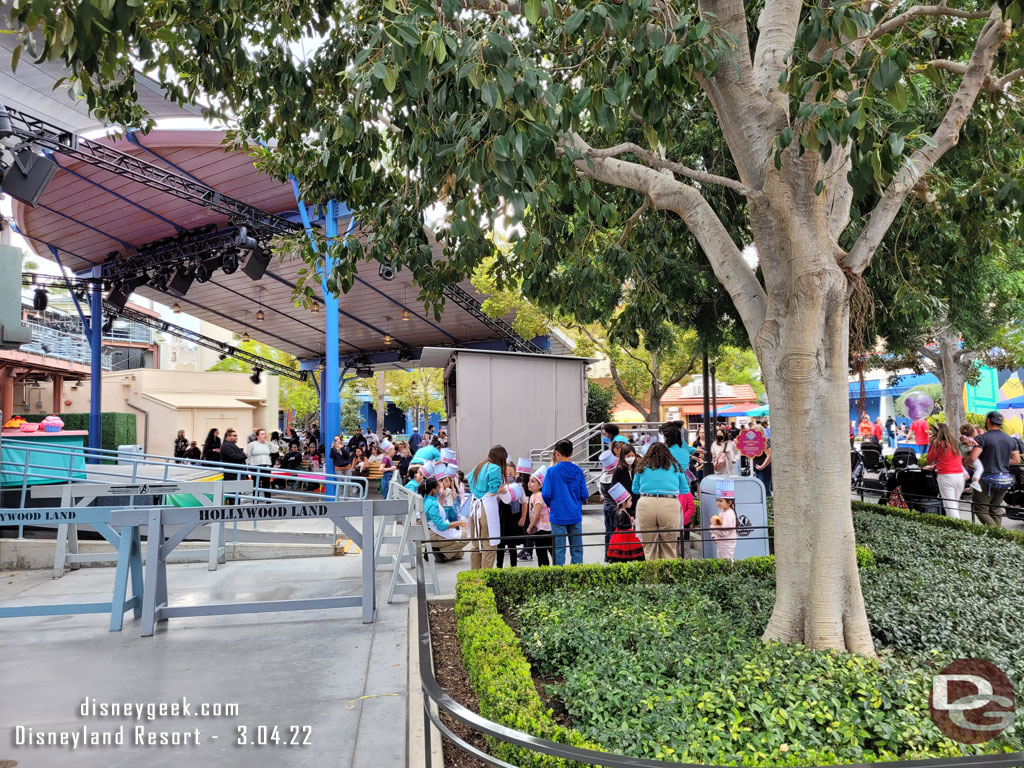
[
  {"x": 70, "y": 346},
  {"x": 434, "y": 696},
  {"x": 270, "y": 484}
]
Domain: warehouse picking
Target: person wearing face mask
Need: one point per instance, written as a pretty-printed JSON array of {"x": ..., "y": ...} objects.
[
  {"x": 723, "y": 452},
  {"x": 624, "y": 473}
]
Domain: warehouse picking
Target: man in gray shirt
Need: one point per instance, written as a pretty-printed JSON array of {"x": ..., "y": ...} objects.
[{"x": 996, "y": 450}]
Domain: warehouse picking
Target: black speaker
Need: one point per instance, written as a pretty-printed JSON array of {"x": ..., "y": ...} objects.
[
  {"x": 122, "y": 290},
  {"x": 28, "y": 177},
  {"x": 181, "y": 281},
  {"x": 256, "y": 265}
]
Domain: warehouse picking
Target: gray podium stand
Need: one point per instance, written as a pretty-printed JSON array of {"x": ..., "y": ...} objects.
[{"x": 751, "y": 515}]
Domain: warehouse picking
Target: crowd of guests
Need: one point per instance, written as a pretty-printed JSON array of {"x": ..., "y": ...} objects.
[{"x": 503, "y": 510}]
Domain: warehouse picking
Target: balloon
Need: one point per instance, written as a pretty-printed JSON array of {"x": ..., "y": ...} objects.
[{"x": 918, "y": 405}]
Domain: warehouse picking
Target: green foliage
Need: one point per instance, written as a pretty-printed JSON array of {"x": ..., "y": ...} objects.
[
  {"x": 501, "y": 675},
  {"x": 599, "y": 402},
  {"x": 507, "y": 298},
  {"x": 418, "y": 392},
  {"x": 972, "y": 418},
  {"x": 735, "y": 366},
  {"x": 664, "y": 659},
  {"x": 351, "y": 407},
  {"x": 302, "y": 398}
]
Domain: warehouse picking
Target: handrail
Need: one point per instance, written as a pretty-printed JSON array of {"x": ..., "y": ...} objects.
[{"x": 433, "y": 693}]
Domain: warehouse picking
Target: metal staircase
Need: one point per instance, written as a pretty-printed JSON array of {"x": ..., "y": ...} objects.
[
  {"x": 586, "y": 440},
  {"x": 471, "y": 305}
]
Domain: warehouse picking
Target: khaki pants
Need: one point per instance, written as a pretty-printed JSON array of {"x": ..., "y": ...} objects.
[
  {"x": 451, "y": 548},
  {"x": 482, "y": 554},
  {"x": 653, "y": 516}
]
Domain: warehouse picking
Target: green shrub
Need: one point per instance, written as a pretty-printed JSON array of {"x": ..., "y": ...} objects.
[
  {"x": 664, "y": 659},
  {"x": 500, "y": 675}
]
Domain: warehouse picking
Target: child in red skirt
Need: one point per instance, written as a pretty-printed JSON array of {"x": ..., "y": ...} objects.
[{"x": 624, "y": 545}]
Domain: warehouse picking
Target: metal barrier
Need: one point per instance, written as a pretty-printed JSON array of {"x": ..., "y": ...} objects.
[
  {"x": 155, "y": 606},
  {"x": 404, "y": 557},
  {"x": 268, "y": 483},
  {"x": 84, "y": 494}
]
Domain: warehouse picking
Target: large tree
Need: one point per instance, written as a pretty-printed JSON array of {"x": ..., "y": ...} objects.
[{"x": 552, "y": 114}]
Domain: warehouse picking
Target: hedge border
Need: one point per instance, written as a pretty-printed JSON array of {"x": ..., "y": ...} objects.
[
  {"x": 941, "y": 521},
  {"x": 498, "y": 669},
  {"x": 501, "y": 674}
]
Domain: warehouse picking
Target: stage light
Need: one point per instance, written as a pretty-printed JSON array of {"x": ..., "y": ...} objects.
[
  {"x": 28, "y": 177},
  {"x": 108, "y": 325},
  {"x": 122, "y": 290},
  {"x": 255, "y": 378},
  {"x": 181, "y": 281},
  {"x": 387, "y": 272},
  {"x": 230, "y": 262},
  {"x": 257, "y": 263},
  {"x": 160, "y": 280},
  {"x": 40, "y": 300}
]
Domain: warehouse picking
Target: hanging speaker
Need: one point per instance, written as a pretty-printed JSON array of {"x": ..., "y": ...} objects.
[
  {"x": 181, "y": 281},
  {"x": 28, "y": 177},
  {"x": 257, "y": 263}
]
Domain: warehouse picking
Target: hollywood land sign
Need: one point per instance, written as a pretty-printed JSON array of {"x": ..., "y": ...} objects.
[{"x": 261, "y": 512}]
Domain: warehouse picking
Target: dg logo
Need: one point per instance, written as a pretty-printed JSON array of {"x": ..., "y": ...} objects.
[{"x": 972, "y": 701}]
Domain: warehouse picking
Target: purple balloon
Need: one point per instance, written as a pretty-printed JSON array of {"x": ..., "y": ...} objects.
[{"x": 918, "y": 405}]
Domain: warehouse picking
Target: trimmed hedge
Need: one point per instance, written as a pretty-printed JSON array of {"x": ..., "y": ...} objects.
[
  {"x": 118, "y": 428},
  {"x": 501, "y": 673},
  {"x": 501, "y": 676},
  {"x": 941, "y": 521},
  {"x": 494, "y": 660}
]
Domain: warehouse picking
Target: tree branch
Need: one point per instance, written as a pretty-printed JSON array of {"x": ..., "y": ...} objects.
[
  {"x": 632, "y": 220},
  {"x": 991, "y": 84},
  {"x": 680, "y": 376},
  {"x": 669, "y": 194},
  {"x": 945, "y": 137},
  {"x": 923, "y": 10},
  {"x": 622, "y": 390},
  {"x": 930, "y": 354},
  {"x": 653, "y": 161},
  {"x": 777, "y": 27}
]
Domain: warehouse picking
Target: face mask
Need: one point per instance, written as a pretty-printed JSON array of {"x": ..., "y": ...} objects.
[{"x": 630, "y": 459}]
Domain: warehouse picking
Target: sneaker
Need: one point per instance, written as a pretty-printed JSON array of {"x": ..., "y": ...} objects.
[{"x": 975, "y": 485}]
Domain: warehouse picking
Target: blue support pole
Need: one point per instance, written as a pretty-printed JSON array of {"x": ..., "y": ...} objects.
[
  {"x": 331, "y": 384},
  {"x": 96, "y": 370}
]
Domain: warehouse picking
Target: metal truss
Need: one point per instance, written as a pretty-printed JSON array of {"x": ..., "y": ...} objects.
[
  {"x": 84, "y": 284},
  {"x": 471, "y": 305},
  {"x": 37, "y": 132}
]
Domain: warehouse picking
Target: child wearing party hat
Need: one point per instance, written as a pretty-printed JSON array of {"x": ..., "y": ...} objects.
[{"x": 723, "y": 524}]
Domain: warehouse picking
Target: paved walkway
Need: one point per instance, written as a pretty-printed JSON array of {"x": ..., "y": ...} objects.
[{"x": 325, "y": 670}]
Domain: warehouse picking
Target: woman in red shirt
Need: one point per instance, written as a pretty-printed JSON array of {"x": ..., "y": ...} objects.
[{"x": 944, "y": 456}]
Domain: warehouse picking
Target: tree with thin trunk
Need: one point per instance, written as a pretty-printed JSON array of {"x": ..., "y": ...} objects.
[{"x": 550, "y": 115}]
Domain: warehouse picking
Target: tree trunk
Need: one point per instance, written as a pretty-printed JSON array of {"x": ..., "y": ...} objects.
[
  {"x": 803, "y": 349},
  {"x": 952, "y": 373}
]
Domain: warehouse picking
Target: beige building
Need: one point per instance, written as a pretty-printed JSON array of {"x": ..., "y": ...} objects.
[{"x": 166, "y": 401}]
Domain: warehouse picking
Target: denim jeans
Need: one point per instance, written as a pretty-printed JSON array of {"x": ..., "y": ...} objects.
[{"x": 575, "y": 534}]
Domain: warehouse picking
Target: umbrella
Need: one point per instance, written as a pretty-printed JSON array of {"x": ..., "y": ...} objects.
[
  {"x": 1016, "y": 402},
  {"x": 760, "y": 411}
]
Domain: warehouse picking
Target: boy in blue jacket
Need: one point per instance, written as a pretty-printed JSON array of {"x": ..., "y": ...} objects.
[{"x": 565, "y": 491}]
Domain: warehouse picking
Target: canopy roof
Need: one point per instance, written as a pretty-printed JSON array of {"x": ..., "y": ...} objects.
[{"x": 88, "y": 212}]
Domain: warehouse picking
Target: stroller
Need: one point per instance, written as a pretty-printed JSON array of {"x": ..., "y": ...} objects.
[
  {"x": 903, "y": 458},
  {"x": 920, "y": 489},
  {"x": 1015, "y": 498},
  {"x": 874, "y": 461}
]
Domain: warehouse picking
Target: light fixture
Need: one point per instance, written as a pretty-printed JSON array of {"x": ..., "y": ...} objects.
[
  {"x": 315, "y": 308},
  {"x": 260, "y": 317},
  {"x": 406, "y": 315},
  {"x": 176, "y": 308},
  {"x": 40, "y": 300},
  {"x": 255, "y": 378},
  {"x": 387, "y": 331},
  {"x": 245, "y": 337}
]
